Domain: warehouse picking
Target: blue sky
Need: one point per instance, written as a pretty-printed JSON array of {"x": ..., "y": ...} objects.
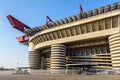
[{"x": 33, "y": 13}]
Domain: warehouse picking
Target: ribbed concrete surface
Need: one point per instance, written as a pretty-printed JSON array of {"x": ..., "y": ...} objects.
[
  {"x": 114, "y": 42},
  {"x": 47, "y": 63},
  {"x": 58, "y": 53},
  {"x": 34, "y": 59}
]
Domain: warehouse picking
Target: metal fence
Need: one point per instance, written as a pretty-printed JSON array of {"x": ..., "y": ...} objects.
[
  {"x": 70, "y": 72},
  {"x": 77, "y": 72}
]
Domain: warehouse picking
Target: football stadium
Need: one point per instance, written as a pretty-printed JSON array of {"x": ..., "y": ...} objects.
[{"x": 89, "y": 40}]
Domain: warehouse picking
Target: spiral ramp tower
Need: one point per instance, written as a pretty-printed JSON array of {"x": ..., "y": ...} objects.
[
  {"x": 34, "y": 57},
  {"x": 58, "y": 60},
  {"x": 114, "y": 41}
]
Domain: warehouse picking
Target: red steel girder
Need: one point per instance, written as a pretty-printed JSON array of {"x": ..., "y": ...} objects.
[
  {"x": 23, "y": 38},
  {"x": 17, "y": 24}
]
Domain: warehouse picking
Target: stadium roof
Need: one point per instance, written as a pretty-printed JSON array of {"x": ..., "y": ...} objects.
[{"x": 73, "y": 18}]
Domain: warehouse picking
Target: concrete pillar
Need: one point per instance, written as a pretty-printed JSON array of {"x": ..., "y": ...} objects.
[
  {"x": 58, "y": 57},
  {"x": 34, "y": 57},
  {"x": 114, "y": 42}
]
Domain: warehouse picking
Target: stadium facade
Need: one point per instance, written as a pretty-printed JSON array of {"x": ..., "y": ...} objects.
[{"x": 87, "y": 40}]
